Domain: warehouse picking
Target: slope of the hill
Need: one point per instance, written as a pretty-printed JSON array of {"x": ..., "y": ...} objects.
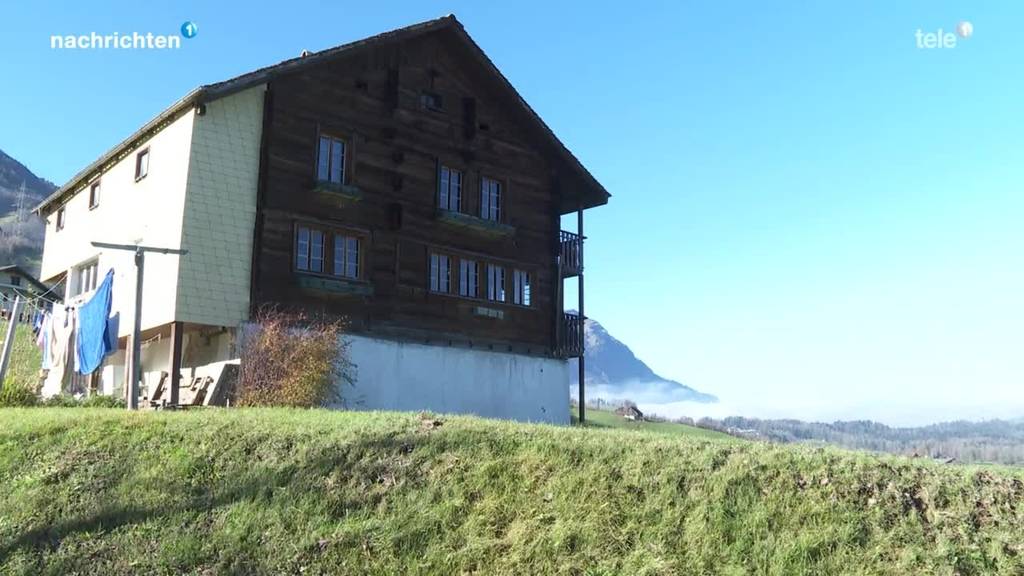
[
  {"x": 90, "y": 491},
  {"x": 21, "y": 231}
]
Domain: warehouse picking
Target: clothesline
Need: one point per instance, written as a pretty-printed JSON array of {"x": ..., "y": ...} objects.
[
  {"x": 32, "y": 298},
  {"x": 75, "y": 338}
]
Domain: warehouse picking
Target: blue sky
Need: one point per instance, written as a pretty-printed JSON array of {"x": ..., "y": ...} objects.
[{"x": 812, "y": 217}]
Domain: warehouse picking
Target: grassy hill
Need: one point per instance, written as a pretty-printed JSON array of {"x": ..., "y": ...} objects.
[
  {"x": 608, "y": 419},
  {"x": 91, "y": 491}
]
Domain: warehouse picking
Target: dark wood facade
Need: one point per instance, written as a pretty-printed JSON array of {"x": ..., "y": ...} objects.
[{"x": 405, "y": 107}]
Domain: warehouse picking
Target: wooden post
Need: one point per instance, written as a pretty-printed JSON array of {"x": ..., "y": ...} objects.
[
  {"x": 127, "y": 367},
  {"x": 12, "y": 324},
  {"x": 177, "y": 331},
  {"x": 583, "y": 320}
]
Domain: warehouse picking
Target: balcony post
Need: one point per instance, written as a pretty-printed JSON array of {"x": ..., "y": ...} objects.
[{"x": 583, "y": 361}]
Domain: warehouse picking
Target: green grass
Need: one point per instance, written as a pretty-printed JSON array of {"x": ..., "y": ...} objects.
[
  {"x": 608, "y": 419},
  {"x": 26, "y": 358},
  {"x": 93, "y": 491}
]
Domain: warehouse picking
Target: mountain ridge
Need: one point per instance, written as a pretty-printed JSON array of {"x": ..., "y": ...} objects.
[
  {"x": 614, "y": 372},
  {"x": 21, "y": 231}
]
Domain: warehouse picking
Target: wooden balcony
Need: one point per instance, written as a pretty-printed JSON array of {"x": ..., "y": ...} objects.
[
  {"x": 570, "y": 254},
  {"x": 569, "y": 336}
]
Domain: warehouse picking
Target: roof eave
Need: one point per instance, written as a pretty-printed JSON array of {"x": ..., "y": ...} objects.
[
  {"x": 97, "y": 166},
  {"x": 596, "y": 195}
]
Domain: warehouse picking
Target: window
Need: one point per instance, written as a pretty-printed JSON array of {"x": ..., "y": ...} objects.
[
  {"x": 15, "y": 280},
  {"x": 309, "y": 249},
  {"x": 495, "y": 283},
  {"x": 94, "y": 195},
  {"x": 469, "y": 273},
  {"x": 85, "y": 278},
  {"x": 61, "y": 218},
  {"x": 346, "y": 256},
  {"x": 141, "y": 164},
  {"x": 490, "y": 199},
  {"x": 432, "y": 101},
  {"x": 440, "y": 273},
  {"x": 450, "y": 190},
  {"x": 330, "y": 163},
  {"x": 520, "y": 288},
  {"x": 315, "y": 248}
]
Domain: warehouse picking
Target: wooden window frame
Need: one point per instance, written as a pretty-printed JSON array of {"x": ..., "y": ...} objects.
[
  {"x": 493, "y": 297},
  {"x": 522, "y": 293},
  {"x": 450, "y": 167},
  {"x": 432, "y": 100},
  {"x": 144, "y": 153},
  {"x": 475, "y": 276},
  {"x": 94, "y": 195},
  {"x": 502, "y": 192},
  {"x": 483, "y": 262},
  {"x": 346, "y": 237},
  {"x": 330, "y": 233},
  {"x": 431, "y": 254},
  {"x": 346, "y": 157},
  {"x": 87, "y": 272}
]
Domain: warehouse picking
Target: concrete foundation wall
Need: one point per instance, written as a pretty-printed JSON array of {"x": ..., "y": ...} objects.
[{"x": 402, "y": 376}]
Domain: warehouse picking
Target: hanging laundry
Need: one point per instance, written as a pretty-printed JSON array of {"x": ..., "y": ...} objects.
[
  {"x": 45, "y": 331},
  {"x": 92, "y": 339},
  {"x": 62, "y": 328}
]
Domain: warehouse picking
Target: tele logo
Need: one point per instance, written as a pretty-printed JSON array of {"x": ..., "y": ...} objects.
[{"x": 943, "y": 39}]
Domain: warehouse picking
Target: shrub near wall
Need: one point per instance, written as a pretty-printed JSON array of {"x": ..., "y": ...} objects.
[{"x": 292, "y": 359}]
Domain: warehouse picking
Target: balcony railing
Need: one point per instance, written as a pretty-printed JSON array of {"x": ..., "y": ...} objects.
[
  {"x": 571, "y": 254},
  {"x": 569, "y": 336}
]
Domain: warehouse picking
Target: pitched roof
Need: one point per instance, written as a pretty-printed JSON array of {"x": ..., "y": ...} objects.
[
  {"x": 14, "y": 268},
  {"x": 207, "y": 93}
]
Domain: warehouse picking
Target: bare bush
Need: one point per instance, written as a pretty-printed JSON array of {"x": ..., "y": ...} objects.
[{"x": 292, "y": 359}]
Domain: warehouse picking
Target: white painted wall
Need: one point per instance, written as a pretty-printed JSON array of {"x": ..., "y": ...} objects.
[
  {"x": 404, "y": 376},
  {"x": 148, "y": 211},
  {"x": 200, "y": 195},
  {"x": 220, "y": 211}
]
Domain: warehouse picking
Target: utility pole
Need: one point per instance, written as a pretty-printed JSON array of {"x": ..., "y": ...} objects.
[{"x": 135, "y": 363}]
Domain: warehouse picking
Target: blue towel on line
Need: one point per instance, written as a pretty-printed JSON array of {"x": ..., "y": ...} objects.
[{"x": 92, "y": 343}]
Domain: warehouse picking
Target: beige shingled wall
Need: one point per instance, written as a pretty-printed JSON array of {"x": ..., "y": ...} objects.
[{"x": 220, "y": 210}]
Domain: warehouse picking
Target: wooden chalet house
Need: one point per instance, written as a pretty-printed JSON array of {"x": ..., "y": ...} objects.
[{"x": 399, "y": 181}]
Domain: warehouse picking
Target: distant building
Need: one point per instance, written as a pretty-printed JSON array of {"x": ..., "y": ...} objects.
[
  {"x": 16, "y": 282},
  {"x": 630, "y": 412}
]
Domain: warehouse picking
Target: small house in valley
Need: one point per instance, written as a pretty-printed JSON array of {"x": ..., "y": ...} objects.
[{"x": 630, "y": 412}]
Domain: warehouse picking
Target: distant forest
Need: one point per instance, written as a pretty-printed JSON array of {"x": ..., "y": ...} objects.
[{"x": 992, "y": 441}]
